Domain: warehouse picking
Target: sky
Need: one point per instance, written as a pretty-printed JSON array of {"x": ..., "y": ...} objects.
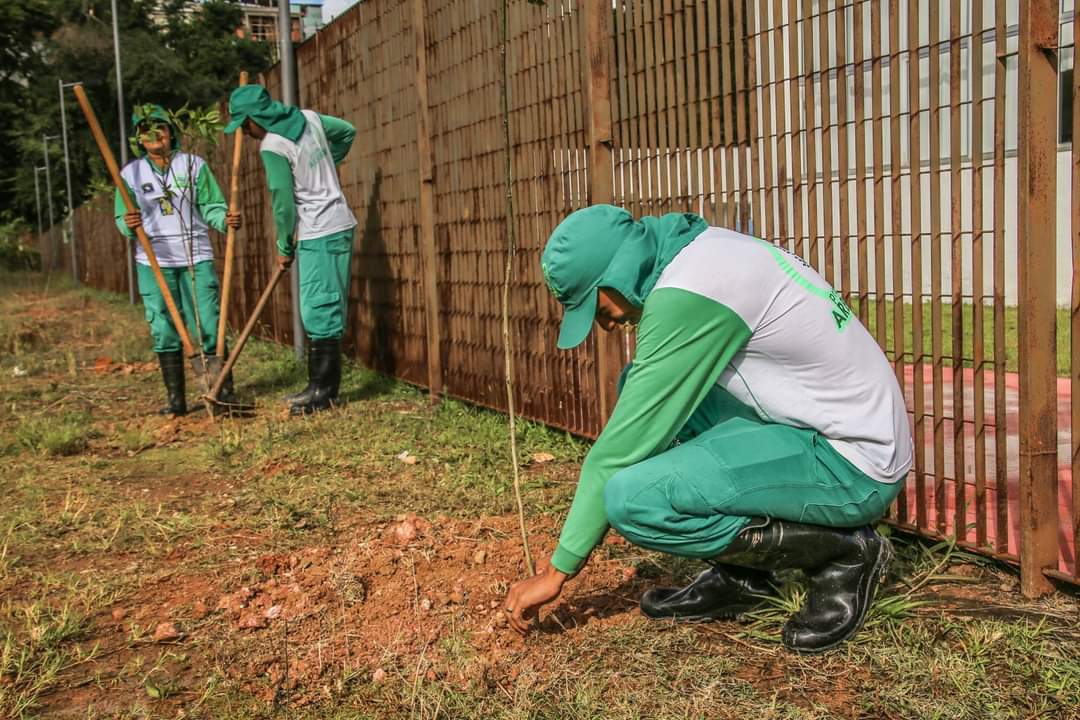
[{"x": 333, "y": 8}]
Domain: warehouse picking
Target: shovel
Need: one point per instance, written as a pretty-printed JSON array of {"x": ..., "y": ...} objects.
[{"x": 204, "y": 368}]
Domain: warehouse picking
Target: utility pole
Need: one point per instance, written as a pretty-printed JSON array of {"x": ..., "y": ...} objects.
[
  {"x": 48, "y": 196},
  {"x": 123, "y": 136},
  {"x": 290, "y": 91},
  {"x": 37, "y": 203},
  {"x": 67, "y": 177}
]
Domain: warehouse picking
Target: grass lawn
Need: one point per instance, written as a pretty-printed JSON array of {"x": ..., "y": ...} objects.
[
  {"x": 1011, "y": 343},
  {"x": 351, "y": 565}
]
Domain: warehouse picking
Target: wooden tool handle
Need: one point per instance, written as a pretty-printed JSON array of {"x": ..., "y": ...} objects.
[
  {"x": 230, "y": 235},
  {"x": 246, "y": 332},
  {"x": 114, "y": 171}
]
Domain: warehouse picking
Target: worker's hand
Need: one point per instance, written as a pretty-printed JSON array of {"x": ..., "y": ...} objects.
[
  {"x": 234, "y": 220},
  {"x": 133, "y": 220},
  {"x": 284, "y": 262},
  {"x": 525, "y": 597}
]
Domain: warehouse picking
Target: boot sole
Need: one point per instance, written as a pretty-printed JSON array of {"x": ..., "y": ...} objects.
[
  {"x": 720, "y": 614},
  {"x": 874, "y": 578}
]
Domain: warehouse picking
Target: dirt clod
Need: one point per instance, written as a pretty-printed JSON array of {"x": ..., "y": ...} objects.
[{"x": 166, "y": 631}]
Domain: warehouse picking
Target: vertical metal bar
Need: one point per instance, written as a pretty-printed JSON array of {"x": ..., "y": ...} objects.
[
  {"x": 896, "y": 204},
  {"x": 1036, "y": 238},
  {"x": 843, "y": 162},
  {"x": 880, "y": 314},
  {"x": 425, "y": 164},
  {"x": 935, "y": 265},
  {"x": 763, "y": 188},
  {"x": 918, "y": 344},
  {"x": 781, "y": 78},
  {"x": 741, "y": 97},
  {"x": 701, "y": 139},
  {"x": 813, "y": 224},
  {"x": 795, "y": 106},
  {"x": 37, "y": 204},
  {"x": 978, "y": 344},
  {"x": 1075, "y": 310},
  {"x": 123, "y": 138},
  {"x": 1001, "y": 458},
  {"x": 766, "y": 83},
  {"x": 956, "y": 230},
  {"x": 598, "y": 123},
  {"x": 67, "y": 179},
  {"x": 665, "y": 110},
  {"x": 730, "y": 148},
  {"x": 54, "y": 255},
  {"x": 861, "y": 200},
  {"x": 825, "y": 96},
  {"x": 290, "y": 96}
]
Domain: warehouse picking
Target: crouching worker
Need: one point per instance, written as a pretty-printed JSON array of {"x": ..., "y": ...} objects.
[
  {"x": 759, "y": 426},
  {"x": 300, "y": 150},
  {"x": 177, "y": 200}
]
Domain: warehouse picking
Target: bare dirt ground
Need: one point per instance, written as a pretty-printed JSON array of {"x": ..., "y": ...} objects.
[{"x": 352, "y": 566}]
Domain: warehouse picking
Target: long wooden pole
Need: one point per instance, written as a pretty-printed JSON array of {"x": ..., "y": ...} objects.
[
  {"x": 230, "y": 235},
  {"x": 114, "y": 171},
  {"x": 244, "y": 334}
]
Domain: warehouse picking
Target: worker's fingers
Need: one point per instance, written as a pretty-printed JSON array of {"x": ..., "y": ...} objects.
[
  {"x": 518, "y": 622},
  {"x": 513, "y": 608}
]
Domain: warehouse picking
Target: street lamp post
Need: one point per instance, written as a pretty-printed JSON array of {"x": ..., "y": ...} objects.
[
  {"x": 37, "y": 203},
  {"x": 123, "y": 135},
  {"x": 67, "y": 177},
  {"x": 289, "y": 94},
  {"x": 48, "y": 196}
]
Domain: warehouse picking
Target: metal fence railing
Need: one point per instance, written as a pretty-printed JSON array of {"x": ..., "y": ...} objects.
[{"x": 905, "y": 148}]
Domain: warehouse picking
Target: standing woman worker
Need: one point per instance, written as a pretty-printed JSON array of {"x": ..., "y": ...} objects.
[
  {"x": 300, "y": 150},
  {"x": 178, "y": 200}
]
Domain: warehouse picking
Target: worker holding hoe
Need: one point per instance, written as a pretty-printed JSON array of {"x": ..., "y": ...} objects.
[
  {"x": 759, "y": 426},
  {"x": 178, "y": 200},
  {"x": 300, "y": 150}
]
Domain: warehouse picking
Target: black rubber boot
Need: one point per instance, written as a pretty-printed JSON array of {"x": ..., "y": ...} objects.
[
  {"x": 304, "y": 396},
  {"x": 172, "y": 372},
  {"x": 719, "y": 593},
  {"x": 324, "y": 368},
  {"x": 843, "y": 566}
]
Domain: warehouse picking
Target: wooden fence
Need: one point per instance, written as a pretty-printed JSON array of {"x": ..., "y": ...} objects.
[{"x": 904, "y": 147}]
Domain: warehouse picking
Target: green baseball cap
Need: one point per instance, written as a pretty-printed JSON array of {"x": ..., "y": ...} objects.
[{"x": 574, "y": 261}]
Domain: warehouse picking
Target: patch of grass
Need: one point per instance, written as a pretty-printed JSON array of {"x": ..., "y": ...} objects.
[
  {"x": 38, "y": 643},
  {"x": 67, "y": 435}
]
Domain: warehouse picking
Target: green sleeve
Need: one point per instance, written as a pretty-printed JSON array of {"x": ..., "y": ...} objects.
[
  {"x": 120, "y": 210},
  {"x": 279, "y": 179},
  {"x": 684, "y": 342},
  {"x": 339, "y": 134},
  {"x": 209, "y": 199}
]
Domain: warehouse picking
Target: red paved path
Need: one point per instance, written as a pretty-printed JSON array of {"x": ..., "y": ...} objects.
[{"x": 1067, "y": 556}]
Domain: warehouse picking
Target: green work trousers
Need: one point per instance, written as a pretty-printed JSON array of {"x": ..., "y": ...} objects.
[
  {"x": 325, "y": 270},
  {"x": 693, "y": 499},
  {"x": 205, "y": 296}
]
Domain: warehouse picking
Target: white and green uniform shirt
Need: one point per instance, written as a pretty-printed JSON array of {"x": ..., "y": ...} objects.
[
  {"x": 314, "y": 192},
  {"x": 174, "y": 224},
  {"x": 739, "y": 312}
]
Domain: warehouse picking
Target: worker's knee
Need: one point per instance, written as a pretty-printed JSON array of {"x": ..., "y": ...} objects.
[{"x": 624, "y": 498}]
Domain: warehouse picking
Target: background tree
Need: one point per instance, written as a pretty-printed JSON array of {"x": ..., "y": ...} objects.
[{"x": 173, "y": 52}]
